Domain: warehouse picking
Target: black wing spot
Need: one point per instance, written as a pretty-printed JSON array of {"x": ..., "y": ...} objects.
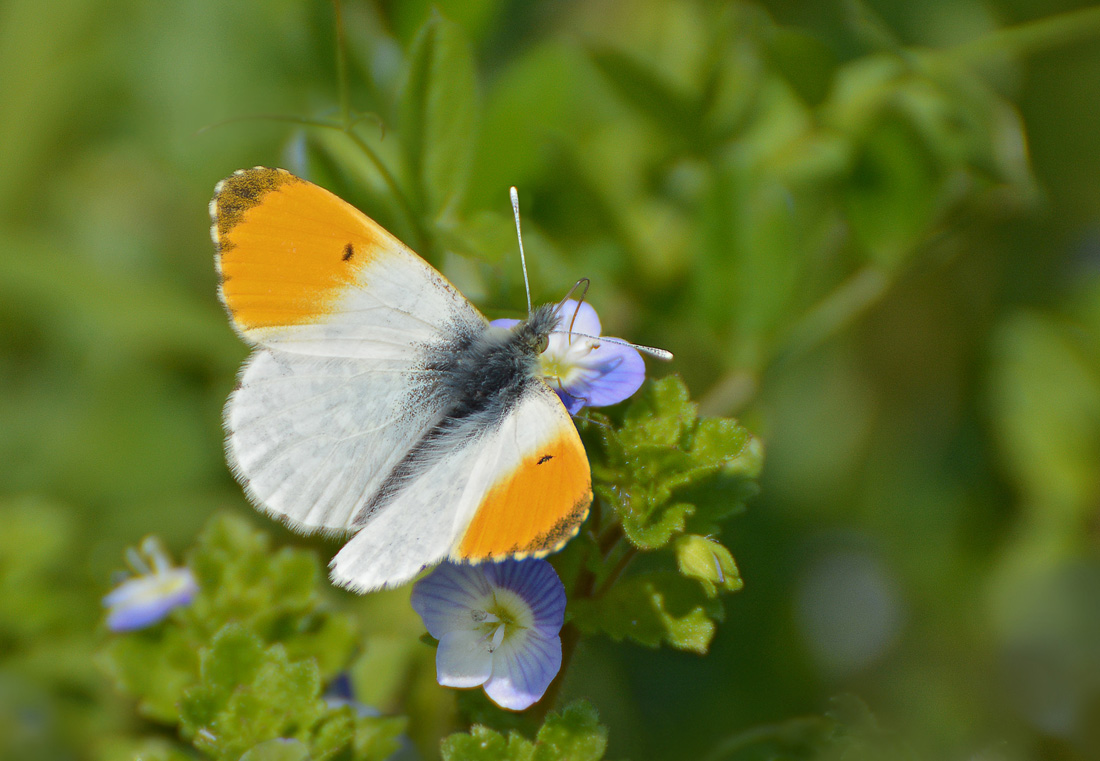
[
  {"x": 349, "y": 252},
  {"x": 545, "y": 458}
]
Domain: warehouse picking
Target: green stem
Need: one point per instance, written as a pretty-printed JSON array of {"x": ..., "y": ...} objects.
[
  {"x": 342, "y": 66},
  {"x": 616, "y": 572},
  {"x": 420, "y": 235},
  {"x": 584, "y": 588},
  {"x": 1031, "y": 36},
  {"x": 839, "y": 309},
  {"x": 836, "y": 311},
  {"x": 290, "y": 118}
]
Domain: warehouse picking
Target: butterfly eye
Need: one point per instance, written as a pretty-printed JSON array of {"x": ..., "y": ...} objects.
[{"x": 543, "y": 342}]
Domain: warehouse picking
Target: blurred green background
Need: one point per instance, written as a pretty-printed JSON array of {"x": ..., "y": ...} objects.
[{"x": 870, "y": 231}]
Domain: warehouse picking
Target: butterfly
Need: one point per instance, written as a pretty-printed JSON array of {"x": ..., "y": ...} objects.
[{"x": 378, "y": 401}]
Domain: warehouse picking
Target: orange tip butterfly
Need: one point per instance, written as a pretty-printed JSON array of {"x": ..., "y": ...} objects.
[{"x": 378, "y": 401}]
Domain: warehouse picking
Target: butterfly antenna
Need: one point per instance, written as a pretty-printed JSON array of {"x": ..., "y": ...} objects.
[
  {"x": 583, "y": 284},
  {"x": 519, "y": 234},
  {"x": 650, "y": 350}
]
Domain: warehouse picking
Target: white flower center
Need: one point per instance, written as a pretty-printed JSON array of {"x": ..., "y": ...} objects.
[
  {"x": 505, "y": 615},
  {"x": 561, "y": 363}
]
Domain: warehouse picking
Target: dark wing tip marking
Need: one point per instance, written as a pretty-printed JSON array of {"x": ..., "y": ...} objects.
[
  {"x": 241, "y": 191},
  {"x": 545, "y": 458},
  {"x": 349, "y": 251},
  {"x": 563, "y": 530}
]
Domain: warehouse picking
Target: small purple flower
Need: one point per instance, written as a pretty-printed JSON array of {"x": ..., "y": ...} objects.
[
  {"x": 157, "y": 589},
  {"x": 583, "y": 370},
  {"x": 497, "y": 626}
]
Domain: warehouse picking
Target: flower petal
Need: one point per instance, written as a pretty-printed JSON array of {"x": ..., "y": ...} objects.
[
  {"x": 523, "y": 667},
  {"x": 463, "y": 659},
  {"x": 609, "y": 374},
  {"x": 538, "y": 584},
  {"x": 573, "y": 404},
  {"x": 586, "y": 320},
  {"x": 145, "y": 600},
  {"x": 505, "y": 322},
  {"x": 447, "y": 597}
]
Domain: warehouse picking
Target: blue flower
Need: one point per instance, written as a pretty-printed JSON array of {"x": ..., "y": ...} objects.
[
  {"x": 584, "y": 371},
  {"x": 156, "y": 590},
  {"x": 497, "y": 626}
]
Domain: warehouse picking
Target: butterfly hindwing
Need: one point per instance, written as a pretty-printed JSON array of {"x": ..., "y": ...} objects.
[
  {"x": 487, "y": 498},
  {"x": 311, "y": 438},
  {"x": 537, "y": 490}
]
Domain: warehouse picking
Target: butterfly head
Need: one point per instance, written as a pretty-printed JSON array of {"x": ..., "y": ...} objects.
[{"x": 534, "y": 332}]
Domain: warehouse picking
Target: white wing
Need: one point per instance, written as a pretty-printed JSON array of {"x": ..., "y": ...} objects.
[
  {"x": 512, "y": 487},
  {"x": 347, "y": 320},
  {"x": 311, "y": 438}
]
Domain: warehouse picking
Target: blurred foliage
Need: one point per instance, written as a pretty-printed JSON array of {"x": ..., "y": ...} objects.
[
  {"x": 246, "y": 662},
  {"x": 869, "y": 229}
]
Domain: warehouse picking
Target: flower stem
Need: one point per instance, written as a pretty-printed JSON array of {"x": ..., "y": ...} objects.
[
  {"x": 1031, "y": 36},
  {"x": 420, "y": 235},
  {"x": 342, "y": 66}
]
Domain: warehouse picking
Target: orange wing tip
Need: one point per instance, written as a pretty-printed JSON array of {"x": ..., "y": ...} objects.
[
  {"x": 286, "y": 249},
  {"x": 536, "y": 507},
  {"x": 545, "y": 544},
  {"x": 239, "y": 192}
]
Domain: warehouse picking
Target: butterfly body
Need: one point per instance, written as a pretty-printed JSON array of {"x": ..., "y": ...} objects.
[
  {"x": 378, "y": 401},
  {"x": 477, "y": 380}
]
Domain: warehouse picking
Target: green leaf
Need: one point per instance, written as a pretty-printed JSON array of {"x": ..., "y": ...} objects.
[
  {"x": 245, "y": 663},
  {"x": 891, "y": 193},
  {"x": 249, "y": 695},
  {"x": 1045, "y": 392},
  {"x": 663, "y": 447},
  {"x": 651, "y": 609},
  {"x": 438, "y": 111},
  {"x": 275, "y": 593},
  {"x": 573, "y": 735},
  {"x": 234, "y": 657},
  {"x": 483, "y": 744}
]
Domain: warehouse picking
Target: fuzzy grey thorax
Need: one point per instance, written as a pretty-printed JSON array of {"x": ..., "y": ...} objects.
[
  {"x": 490, "y": 371},
  {"x": 482, "y": 376}
]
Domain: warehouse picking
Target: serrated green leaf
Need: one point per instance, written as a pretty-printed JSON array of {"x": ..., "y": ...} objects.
[
  {"x": 262, "y": 697},
  {"x": 483, "y": 744},
  {"x": 294, "y": 576},
  {"x": 234, "y": 656},
  {"x": 651, "y": 609},
  {"x": 661, "y": 448},
  {"x": 438, "y": 111},
  {"x": 573, "y": 735}
]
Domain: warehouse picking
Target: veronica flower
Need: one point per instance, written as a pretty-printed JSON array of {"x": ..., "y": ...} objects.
[
  {"x": 156, "y": 590},
  {"x": 497, "y": 626},
  {"x": 585, "y": 371}
]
